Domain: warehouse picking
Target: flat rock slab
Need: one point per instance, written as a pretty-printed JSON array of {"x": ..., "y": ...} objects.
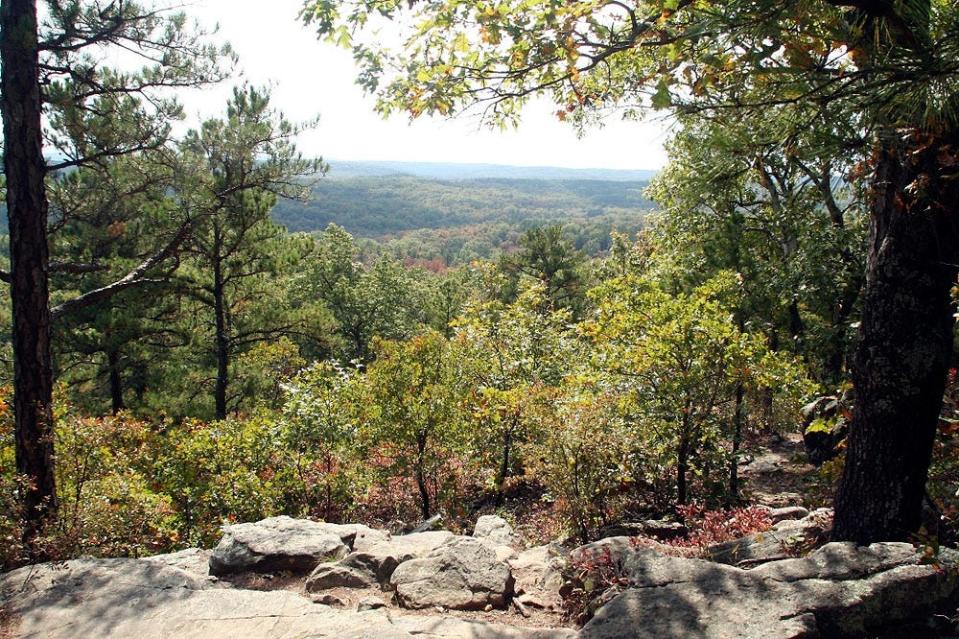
[
  {"x": 133, "y": 598},
  {"x": 838, "y": 591},
  {"x": 279, "y": 544},
  {"x": 464, "y": 574}
]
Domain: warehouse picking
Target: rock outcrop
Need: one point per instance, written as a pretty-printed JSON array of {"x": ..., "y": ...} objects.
[
  {"x": 538, "y": 576},
  {"x": 134, "y": 598},
  {"x": 495, "y": 529},
  {"x": 280, "y": 544},
  {"x": 379, "y": 559},
  {"x": 461, "y": 575},
  {"x": 838, "y": 591},
  {"x": 787, "y": 537}
]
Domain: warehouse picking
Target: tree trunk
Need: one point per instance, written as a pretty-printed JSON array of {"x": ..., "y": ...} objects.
[
  {"x": 504, "y": 467},
  {"x": 421, "y": 479},
  {"x": 222, "y": 342},
  {"x": 27, "y": 207},
  {"x": 682, "y": 467},
  {"x": 738, "y": 418},
  {"x": 905, "y": 339},
  {"x": 116, "y": 381}
]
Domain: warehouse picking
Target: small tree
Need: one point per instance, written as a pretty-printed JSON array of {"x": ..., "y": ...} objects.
[
  {"x": 679, "y": 360},
  {"x": 320, "y": 427},
  {"x": 512, "y": 350},
  {"x": 414, "y": 417}
]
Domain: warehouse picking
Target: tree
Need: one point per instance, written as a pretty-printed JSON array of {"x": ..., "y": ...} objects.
[
  {"x": 53, "y": 69},
  {"x": 547, "y": 255},
  {"x": 680, "y": 361},
  {"x": 513, "y": 351},
  {"x": 367, "y": 301},
  {"x": 244, "y": 162},
  {"x": 415, "y": 417},
  {"x": 888, "y": 68},
  {"x": 734, "y": 197}
]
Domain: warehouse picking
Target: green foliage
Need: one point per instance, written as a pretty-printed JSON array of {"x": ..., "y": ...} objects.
[
  {"x": 678, "y": 361},
  {"x": 414, "y": 415}
]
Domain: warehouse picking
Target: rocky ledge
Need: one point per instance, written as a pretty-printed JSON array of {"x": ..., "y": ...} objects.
[{"x": 325, "y": 580}]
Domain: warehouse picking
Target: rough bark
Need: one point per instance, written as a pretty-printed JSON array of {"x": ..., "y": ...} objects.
[
  {"x": 222, "y": 342},
  {"x": 27, "y": 208},
  {"x": 905, "y": 338}
]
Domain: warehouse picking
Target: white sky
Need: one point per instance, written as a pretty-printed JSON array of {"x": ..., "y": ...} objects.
[{"x": 312, "y": 78}]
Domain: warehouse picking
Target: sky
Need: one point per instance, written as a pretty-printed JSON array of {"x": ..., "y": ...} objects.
[{"x": 311, "y": 78}]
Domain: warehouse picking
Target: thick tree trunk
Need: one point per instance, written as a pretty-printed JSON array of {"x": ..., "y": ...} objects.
[
  {"x": 27, "y": 207},
  {"x": 905, "y": 341},
  {"x": 116, "y": 381}
]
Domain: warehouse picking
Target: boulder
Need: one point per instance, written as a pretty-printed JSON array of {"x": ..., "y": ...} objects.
[
  {"x": 784, "y": 538},
  {"x": 278, "y": 544},
  {"x": 461, "y": 575},
  {"x": 326, "y": 599},
  {"x": 538, "y": 576},
  {"x": 840, "y": 590},
  {"x": 380, "y": 559},
  {"x": 495, "y": 529},
  {"x": 328, "y": 576}
]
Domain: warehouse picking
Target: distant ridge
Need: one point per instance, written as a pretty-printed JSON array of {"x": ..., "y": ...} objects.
[{"x": 343, "y": 169}]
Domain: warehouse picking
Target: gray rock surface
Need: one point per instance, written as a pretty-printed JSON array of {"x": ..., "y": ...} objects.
[
  {"x": 838, "y": 591},
  {"x": 461, "y": 575},
  {"x": 328, "y": 576},
  {"x": 495, "y": 529},
  {"x": 538, "y": 576},
  {"x": 379, "y": 559},
  {"x": 132, "y": 598},
  {"x": 278, "y": 544},
  {"x": 192, "y": 560}
]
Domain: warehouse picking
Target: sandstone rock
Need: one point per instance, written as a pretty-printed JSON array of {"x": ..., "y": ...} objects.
[
  {"x": 327, "y": 599},
  {"x": 777, "y": 515},
  {"x": 839, "y": 590},
  {"x": 124, "y": 598},
  {"x": 461, "y": 575},
  {"x": 655, "y": 528},
  {"x": 192, "y": 560},
  {"x": 380, "y": 559},
  {"x": 370, "y": 603},
  {"x": 538, "y": 576},
  {"x": 277, "y": 544},
  {"x": 327, "y": 576},
  {"x": 495, "y": 529}
]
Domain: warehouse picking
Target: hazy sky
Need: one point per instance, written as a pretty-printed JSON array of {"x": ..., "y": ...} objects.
[{"x": 312, "y": 78}]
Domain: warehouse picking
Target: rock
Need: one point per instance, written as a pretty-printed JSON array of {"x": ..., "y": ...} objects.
[
  {"x": 783, "y": 538},
  {"x": 380, "y": 559},
  {"x": 461, "y": 575},
  {"x": 370, "y": 603},
  {"x": 277, "y": 544},
  {"x": 428, "y": 524},
  {"x": 192, "y": 560},
  {"x": 495, "y": 529},
  {"x": 327, "y": 576},
  {"x": 124, "y": 598},
  {"x": 777, "y": 515},
  {"x": 538, "y": 576},
  {"x": 838, "y": 591},
  {"x": 326, "y": 599},
  {"x": 656, "y": 528}
]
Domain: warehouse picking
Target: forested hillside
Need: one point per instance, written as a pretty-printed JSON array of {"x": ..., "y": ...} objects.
[{"x": 459, "y": 220}]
